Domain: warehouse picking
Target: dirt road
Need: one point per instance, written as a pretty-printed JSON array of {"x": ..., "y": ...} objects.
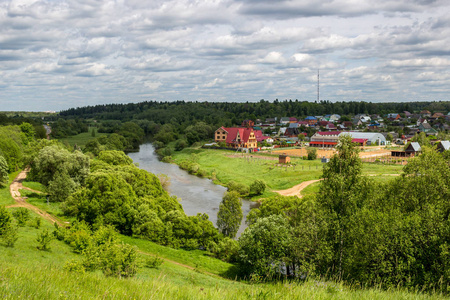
[
  {"x": 295, "y": 190},
  {"x": 14, "y": 188}
]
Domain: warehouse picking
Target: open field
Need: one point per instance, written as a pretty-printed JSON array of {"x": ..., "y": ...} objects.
[
  {"x": 224, "y": 166},
  {"x": 367, "y": 152},
  {"x": 81, "y": 139}
]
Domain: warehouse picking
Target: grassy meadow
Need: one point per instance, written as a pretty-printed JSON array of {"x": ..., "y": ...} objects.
[
  {"x": 224, "y": 166},
  {"x": 81, "y": 139}
]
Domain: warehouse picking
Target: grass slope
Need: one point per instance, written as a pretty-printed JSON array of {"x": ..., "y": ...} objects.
[{"x": 27, "y": 273}]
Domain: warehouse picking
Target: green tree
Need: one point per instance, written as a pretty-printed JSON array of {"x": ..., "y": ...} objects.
[
  {"x": 230, "y": 214},
  {"x": 264, "y": 246},
  {"x": 3, "y": 171},
  {"x": 312, "y": 153},
  {"x": 257, "y": 187},
  {"x": 340, "y": 196}
]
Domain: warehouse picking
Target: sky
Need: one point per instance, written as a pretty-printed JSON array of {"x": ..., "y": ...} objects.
[{"x": 55, "y": 54}]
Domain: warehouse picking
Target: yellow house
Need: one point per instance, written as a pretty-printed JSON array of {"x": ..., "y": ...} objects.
[{"x": 236, "y": 137}]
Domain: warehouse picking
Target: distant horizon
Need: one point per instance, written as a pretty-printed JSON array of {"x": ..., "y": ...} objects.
[{"x": 271, "y": 101}]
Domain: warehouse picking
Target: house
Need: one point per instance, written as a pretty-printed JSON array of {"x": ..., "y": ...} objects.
[
  {"x": 325, "y": 139},
  {"x": 426, "y": 127},
  {"x": 330, "y": 126},
  {"x": 411, "y": 151},
  {"x": 292, "y": 132},
  {"x": 303, "y": 123},
  {"x": 437, "y": 115},
  {"x": 443, "y": 146},
  {"x": 407, "y": 114},
  {"x": 271, "y": 121},
  {"x": 347, "y": 124},
  {"x": 413, "y": 148},
  {"x": 236, "y": 137},
  {"x": 334, "y": 118},
  {"x": 247, "y": 123},
  {"x": 393, "y": 117},
  {"x": 425, "y": 113},
  {"x": 311, "y": 120},
  {"x": 293, "y": 120},
  {"x": 284, "y": 120},
  {"x": 420, "y": 121}
]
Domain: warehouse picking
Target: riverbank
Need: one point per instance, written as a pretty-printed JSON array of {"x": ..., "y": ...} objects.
[{"x": 223, "y": 166}]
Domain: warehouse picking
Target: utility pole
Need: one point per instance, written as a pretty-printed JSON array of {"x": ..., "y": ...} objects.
[{"x": 317, "y": 85}]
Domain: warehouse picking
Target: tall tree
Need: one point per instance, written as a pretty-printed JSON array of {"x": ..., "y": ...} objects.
[
  {"x": 230, "y": 214},
  {"x": 340, "y": 196}
]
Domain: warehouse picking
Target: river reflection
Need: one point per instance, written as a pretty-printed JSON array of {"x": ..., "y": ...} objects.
[{"x": 198, "y": 195}]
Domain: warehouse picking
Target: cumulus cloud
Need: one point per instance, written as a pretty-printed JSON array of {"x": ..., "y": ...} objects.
[{"x": 69, "y": 51}]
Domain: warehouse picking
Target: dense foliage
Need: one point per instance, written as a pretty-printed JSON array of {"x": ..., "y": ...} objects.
[
  {"x": 132, "y": 200},
  {"x": 388, "y": 234}
]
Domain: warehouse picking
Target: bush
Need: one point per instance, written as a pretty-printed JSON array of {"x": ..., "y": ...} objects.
[
  {"x": 44, "y": 239},
  {"x": 22, "y": 215},
  {"x": 312, "y": 153},
  {"x": 74, "y": 266},
  {"x": 10, "y": 235},
  {"x": 257, "y": 187},
  {"x": 180, "y": 145},
  {"x": 154, "y": 262},
  {"x": 241, "y": 188}
]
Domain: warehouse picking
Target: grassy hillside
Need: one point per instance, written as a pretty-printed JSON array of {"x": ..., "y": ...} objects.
[{"x": 28, "y": 273}]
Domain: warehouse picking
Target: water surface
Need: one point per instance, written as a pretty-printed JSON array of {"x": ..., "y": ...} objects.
[{"x": 198, "y": 195}]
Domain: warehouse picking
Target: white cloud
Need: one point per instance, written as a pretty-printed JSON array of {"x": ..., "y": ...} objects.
[{"x": 220, "y": 49}]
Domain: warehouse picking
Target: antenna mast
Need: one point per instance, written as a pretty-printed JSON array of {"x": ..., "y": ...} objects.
[{"x": 317, "y": 85}]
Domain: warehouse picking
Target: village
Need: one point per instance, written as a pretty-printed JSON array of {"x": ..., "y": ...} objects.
[{"x": 388, "y": 136}]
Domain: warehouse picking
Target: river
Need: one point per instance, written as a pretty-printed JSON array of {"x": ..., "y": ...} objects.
[{"x": 198, "y": 195}]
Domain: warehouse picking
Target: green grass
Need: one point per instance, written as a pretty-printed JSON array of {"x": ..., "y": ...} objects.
[
  {"x": 81, "y": 139},
  {"x": 196, "y": 259},
  {"x": 27, "y": 273},
  {"x": 34, "y": 185},
  {"x": 249, "y": 167},
  {"x": 5, "y": 195}
]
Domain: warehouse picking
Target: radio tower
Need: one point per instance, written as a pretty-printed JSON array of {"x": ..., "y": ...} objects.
[{"x": 317, "y": 85}]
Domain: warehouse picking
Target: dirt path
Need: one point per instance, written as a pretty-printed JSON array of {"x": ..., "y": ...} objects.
[
  {"x": 296, "y": 189},
  {"x": 14, "y": 188}
]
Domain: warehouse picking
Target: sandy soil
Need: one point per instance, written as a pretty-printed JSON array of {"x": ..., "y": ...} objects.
[
  {"x": 296, "y": 190},
  {"x": 371, "y": 152}
]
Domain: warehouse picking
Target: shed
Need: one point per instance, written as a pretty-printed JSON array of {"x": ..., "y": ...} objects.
[{"x": 284, "y": 159}]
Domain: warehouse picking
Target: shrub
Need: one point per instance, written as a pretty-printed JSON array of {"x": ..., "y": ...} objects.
[
  {"x": 44, "y": 239},
  {"x": 241, "y": 188},
  {"x": 74, "y": 266},
  {"x": 257, "y": 187},
  {"x": 312, "y": 153},
  {"x": 154, "y": 262},
  {"x": 22, "y": 215},
  {"x": 10, "y": 234}
]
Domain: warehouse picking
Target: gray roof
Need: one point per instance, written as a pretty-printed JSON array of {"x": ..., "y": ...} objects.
[
  {"x": 415, "y": 146},
  {"x": 445, "y": 145}
]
